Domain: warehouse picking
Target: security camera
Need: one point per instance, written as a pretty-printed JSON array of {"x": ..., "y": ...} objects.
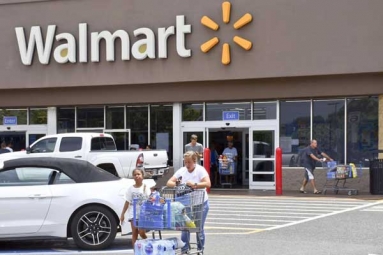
[
  {"x": 227, "y": 124},
  {"x": 9, "y": 128}
]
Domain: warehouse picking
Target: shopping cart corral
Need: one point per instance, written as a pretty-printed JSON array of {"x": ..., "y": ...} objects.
[
  {"x": 337, "y": 176},
  {"x": 176, "y": 209}
]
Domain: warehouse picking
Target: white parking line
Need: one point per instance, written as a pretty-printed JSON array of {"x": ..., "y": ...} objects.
[
  {"x": 374, "y": 209},
  {"x": 234, "y": 219},
  {"x": 257, "y": 215},
  {"x": 238, "y": 224},
  {"x": 326, "y": 215},
  {"x": 272, "y": 209},
  {"x": 306, "y": 203},
  {"x": 267, "y": 214},
  {"x": 278, "y": 206}
]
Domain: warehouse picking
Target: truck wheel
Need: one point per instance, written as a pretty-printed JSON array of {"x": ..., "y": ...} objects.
[{"x": 93, "y": 228}]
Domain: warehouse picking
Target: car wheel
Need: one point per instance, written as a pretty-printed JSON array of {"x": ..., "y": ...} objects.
[{"x": 93, "y": 228}]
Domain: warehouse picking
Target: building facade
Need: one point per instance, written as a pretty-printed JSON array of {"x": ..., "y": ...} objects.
[{"x": 266, "y": 74}]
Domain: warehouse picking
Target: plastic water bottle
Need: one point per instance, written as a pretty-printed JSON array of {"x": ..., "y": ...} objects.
[
  {"x": 149, "y": 249},
  {"x": 138, "y": 248},
  {"x": 188, "y": 222}
]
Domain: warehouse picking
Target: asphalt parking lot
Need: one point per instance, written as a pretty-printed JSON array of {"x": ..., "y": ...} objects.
[{"x": 243, "y": 224}]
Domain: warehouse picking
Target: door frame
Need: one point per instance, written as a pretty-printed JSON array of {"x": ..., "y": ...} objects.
[{"x": 267, "y": 125}]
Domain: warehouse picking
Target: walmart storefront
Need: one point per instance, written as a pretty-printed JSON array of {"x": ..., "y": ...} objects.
[{"x": 267, "y": 73}]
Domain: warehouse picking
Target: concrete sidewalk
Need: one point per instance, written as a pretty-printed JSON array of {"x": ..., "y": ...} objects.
[{"x": 289, "y": 193}]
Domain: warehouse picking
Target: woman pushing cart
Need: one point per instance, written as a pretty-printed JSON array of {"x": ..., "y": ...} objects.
[
  {"x": 182, "y": 206},
  {"x": 196, "y": 177}
]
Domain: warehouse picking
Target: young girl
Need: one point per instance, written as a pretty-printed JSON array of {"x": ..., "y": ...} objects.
[{"x": 141, "y": 192}]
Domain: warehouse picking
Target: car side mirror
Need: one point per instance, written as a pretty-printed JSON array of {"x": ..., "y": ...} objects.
[{"x": 28, "y": 150}]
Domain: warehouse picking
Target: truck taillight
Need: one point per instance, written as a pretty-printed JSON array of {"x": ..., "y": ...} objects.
[{"x": 140, "y": 160}]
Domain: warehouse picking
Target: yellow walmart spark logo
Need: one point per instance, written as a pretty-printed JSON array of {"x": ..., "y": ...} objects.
[{"x": 243, "y": 21}]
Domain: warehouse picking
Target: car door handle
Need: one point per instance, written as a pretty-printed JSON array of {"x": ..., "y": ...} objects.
[
  {"x": 38, "y": 196},
  {"x": 77, "y": 156},
  {"x": 155, "y": 154}
]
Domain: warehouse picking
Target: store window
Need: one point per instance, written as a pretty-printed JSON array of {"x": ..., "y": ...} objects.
[
  {"x": 19, "y": 115},
  {"x": 192, "y": 112},
  {"x": 228, "y": 111},
  {"x": 328, "y": 127},
  {"x": 38, "y": 116},
  {"x": 161, "y": 128},
  {"x": 264, "y": 111},
  {"x": 362, "y": 129},
  {"x": 90, "y": 117},
  {"x": 115, "y": 117},
  {"x": 294, "y": 129},
  {"x": 65, "y": 120},
  {"x": 137, "y": 119}
]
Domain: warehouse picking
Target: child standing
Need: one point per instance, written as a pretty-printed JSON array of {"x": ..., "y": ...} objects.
[{"x": 137, "y": 191}]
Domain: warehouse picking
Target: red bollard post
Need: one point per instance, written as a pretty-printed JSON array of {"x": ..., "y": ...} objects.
[
  {"x": 206, "y": 163},
  {"x": 278, "y": 171}
]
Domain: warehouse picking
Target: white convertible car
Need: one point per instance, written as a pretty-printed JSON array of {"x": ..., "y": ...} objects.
[{"x": 61, "y": 198}]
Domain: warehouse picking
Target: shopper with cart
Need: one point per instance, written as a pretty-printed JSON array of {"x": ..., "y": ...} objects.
[
  {"x": 310, "y": 157},
  {"x": 231, "y": 152},
  {"x": 194, "y": 176}
]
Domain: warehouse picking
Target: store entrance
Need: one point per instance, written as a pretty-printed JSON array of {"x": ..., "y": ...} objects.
[
  {"x": 220, "y": 139},
  {"x": 255, "y": 143},
  {"x": 17, "y": 139}
]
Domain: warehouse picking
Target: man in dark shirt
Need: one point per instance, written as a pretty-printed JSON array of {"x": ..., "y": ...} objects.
[
  {"x": 310, "y": 156},
  {"x": 3, "y": 148}
]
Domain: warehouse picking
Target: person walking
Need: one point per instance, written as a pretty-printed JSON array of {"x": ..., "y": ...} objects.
[
  {"x": 9, "y": 146},
  {"x": 194, "y": 176},
  {"x": 231, "y": 152},
  {"x": 310, "y": 156},
  {"x": 214, "y": 164},
  {"x": 195, "y": 146},
  {"x": 137, "y": 191}
]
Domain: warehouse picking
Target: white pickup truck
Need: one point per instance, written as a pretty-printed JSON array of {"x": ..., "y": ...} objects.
[{"x": 97, "y": 148}]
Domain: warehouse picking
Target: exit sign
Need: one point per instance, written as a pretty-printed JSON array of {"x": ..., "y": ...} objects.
[{"x": 230, "y": 115}]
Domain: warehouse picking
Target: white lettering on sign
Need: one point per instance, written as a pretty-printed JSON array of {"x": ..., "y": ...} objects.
[{"x": 67, "y": 50}]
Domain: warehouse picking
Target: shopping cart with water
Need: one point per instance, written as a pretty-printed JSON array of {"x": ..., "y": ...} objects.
[
  {"x": 226, "y": 168},
  {"x": 173, "y": 209},
  {"x": 337, "y": 176}
]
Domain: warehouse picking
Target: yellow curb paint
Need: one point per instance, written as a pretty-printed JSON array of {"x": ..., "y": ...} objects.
[
  {"x": 243, "y": 21},
  {"x": 226, "y": 6},
  {"x": 209, "y": 44},
  {"x": 208, "y": 22}
]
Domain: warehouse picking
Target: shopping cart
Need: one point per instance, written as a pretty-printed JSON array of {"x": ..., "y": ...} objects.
[
  {"x": 337, "y": 176},
  {"x": 177, "y": 209},
  {"x": 226, "y": 167}
]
